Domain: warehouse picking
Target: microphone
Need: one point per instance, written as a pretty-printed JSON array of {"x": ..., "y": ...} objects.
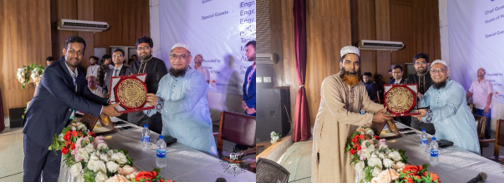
[
  {"x": 224, "y": 180},
  {"x": 479, "y": 179}
]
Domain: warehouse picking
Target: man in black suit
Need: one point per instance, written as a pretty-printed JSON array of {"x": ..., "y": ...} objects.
[
  {"x": 424, "y": 81},
  {"x": 397, "y": 72},
  {"x": 119, "y": 70},
  {"x": 61, "y": 92},
  {"x": 155, "y": 69}
]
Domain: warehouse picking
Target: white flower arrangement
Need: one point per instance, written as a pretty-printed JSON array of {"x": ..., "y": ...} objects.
[
  {"x": 101, "y": 177},
  {"x": 274, "y": 137},
  {"x": 112, "y": 166},
  {"x": 76, "y": 169}
]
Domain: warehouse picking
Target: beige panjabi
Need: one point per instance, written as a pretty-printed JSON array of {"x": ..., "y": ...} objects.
[{"x": 338, "y": 116}]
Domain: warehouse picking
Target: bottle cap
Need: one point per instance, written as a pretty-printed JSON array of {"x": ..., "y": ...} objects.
[
  {"x": 423, "y": 130},
  {"x": 145, "y": 125},
  {"x": 161, "y": 137},
  {"x": 433, "y": 138}
]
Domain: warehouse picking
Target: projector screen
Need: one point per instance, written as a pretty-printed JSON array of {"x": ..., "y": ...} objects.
[
  {"x": 476, "y": 39},
  {"x": 216, "y": 29}
]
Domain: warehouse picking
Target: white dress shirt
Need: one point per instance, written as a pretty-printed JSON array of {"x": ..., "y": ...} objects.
[{"x": 480, "y": 91}]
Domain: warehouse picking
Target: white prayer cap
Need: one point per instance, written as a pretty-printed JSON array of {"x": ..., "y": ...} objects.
[
  {"x": 183, "y": 45},
  {"x": 438, "y": 61},
  {"x": 349, "y": 50}
]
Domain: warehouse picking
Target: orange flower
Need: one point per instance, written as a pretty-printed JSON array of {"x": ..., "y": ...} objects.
[{"x": 74, "y": 133}]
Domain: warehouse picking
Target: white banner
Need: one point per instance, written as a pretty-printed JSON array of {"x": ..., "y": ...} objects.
[
  {"x": 476, "y": 39},
  {"x": 216, "y": 29}
]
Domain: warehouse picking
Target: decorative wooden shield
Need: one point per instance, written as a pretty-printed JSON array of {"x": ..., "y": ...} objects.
[
  {"x": 130, "y": 91},
  {"x": 400, "y": 99}
]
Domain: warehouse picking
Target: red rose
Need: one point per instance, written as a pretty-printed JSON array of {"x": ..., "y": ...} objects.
[
  {"x": 92, "y": 134},
  {"x": 355, "y": 140},
  {"x": 64, "y": 150},
  {"x": 361, "y": 137},
  {"x": 434, "y": 177},
  {"x": 146, "y": 176},
  {"x": 376, "y": 137},
  {"x": 410, "y": 168},
  {"x": 358, "y": 147},
  {"x": 420, "y": 168},
  {"x": 67, "y": 136},
  {"x": 72, "y": 147},
  {"x": 74, "y": 133},
  {"x": 352, "y": 151},
  {"x": 68, "y": 143},
  {"x": 409, "y": 180}
]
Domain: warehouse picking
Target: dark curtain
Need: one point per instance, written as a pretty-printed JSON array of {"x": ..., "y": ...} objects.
[{"x": 302, "y": 127}]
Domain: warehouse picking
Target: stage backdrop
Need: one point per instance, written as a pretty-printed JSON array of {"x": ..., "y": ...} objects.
[
  {"x": 475, "y": 40},
  {"x": 216, "y": 29}
]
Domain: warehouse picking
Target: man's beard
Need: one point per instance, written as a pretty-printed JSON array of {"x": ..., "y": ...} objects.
[
  {"x": 147, "y": 56},
  {"x": 251, "y": 58},
  {"x": 177, "y": 73},
  {"x": 424, "y": 71},
  {"x": 351, "y": 79},
  {"x": 440, "y": 85}
]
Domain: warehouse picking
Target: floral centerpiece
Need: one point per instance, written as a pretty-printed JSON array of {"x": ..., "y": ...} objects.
[
  {"x": 90, "y": 158},
  {"x": 375, "y": 162},
  {"x": 36, "y": 73},
  {"x": 274, "y": 137},
  {"x": 23, "y": 74}
]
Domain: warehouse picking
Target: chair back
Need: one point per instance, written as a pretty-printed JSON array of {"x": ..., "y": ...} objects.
[
  {"x": 237, "y": 128},
  {"x": 271, "y": 172},
  {"x": 480, "y": 125},
  {"x": 499, "y": 133},
  {"x": 2, "y": 124}
]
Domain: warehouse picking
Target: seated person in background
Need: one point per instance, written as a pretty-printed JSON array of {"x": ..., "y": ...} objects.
[
  {"x": 379, "y": 82},
  {"x": 371, "y": 86},
  {"x": 49, "y": 60},
  {"x": 181, "y": 100},
  {"x": 398, "y": 80},
  {"x": 448, "y": 110},
  {"x": 92, "y": 84}
]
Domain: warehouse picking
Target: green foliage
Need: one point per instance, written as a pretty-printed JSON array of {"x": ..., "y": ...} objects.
[
  {"x": 404, "y": 159},
  {"x": 89, "y": 175}
]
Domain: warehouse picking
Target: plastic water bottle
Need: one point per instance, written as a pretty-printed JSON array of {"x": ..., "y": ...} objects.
[
  {"x": 424, "y": 146},
  {"x": 145, "y": 137},
  {"x": 434, "y": 153},
  {"x": 161, "y": 152}
]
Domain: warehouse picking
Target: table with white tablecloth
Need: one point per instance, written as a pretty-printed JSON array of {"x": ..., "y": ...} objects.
[
  {"x": 183, "y": 164},
  {"x": 456, "y": 165}
]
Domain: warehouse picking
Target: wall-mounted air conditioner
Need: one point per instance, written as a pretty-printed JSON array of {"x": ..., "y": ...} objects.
[
  {"x": 264, "y": 58},
  {"x": 81, "y": 25},
  {"x": 380, "y": 45}
]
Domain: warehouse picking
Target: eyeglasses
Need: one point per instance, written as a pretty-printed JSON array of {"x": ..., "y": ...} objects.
[
  {"x": 199, "y": 58},
  {"x": 117, "y": 55},
  {"x": 80, "y": 53},
  {"x": 433, "y": 71},
  {"x": 175, "y": 56},
  {"x": 420, "y": 63},
  {"x": 143, "y": 48}
]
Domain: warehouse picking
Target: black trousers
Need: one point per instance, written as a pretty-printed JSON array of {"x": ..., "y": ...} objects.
[
  {"x": 429, "y": 127},
  {"x": 40, "y": 162},
  {"x": 154, "y": 122}
]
